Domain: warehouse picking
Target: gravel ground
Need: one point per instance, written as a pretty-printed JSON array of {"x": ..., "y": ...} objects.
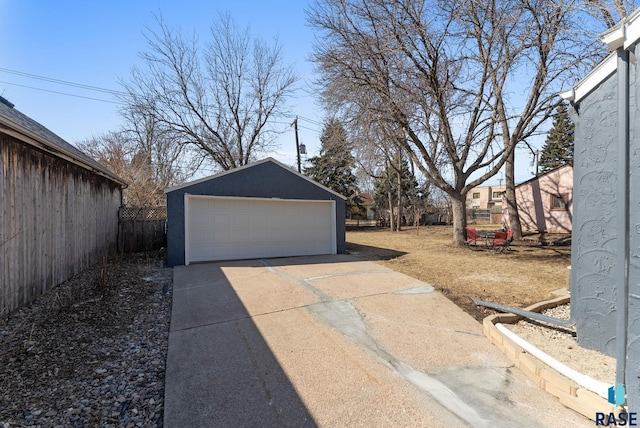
[
  {"x": 92, "y": 351},
  {"x": 561, "y": 344}
]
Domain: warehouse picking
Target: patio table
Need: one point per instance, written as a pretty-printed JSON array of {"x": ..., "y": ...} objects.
[{"x": 488, "y": 237}]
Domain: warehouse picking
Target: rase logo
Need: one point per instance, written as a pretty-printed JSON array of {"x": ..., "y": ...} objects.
[
  {"x": 617, "y": 397},
  {"x": 616, "y": 394},
  {"x": 621, "y": 419}
]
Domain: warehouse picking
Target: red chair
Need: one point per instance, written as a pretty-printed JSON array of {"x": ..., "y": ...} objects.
[
  {"x": 502, "y": 240},
  {"x": 472, "y": 237}
]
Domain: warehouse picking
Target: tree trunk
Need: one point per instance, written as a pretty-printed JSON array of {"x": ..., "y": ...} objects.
[
  {"x": 399, "y": 193},
  {"x": 459, "y": 214},
  {"x": 510, "y": 197},
  {"x": 391, "y": 222}
]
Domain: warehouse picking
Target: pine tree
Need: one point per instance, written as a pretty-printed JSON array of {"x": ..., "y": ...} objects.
[
  {"x": 385, "y": 192},
  {"x": 334, "y": 166},
  {"x": 388, "y": 183},
  {"x": 558, "y": 148}
]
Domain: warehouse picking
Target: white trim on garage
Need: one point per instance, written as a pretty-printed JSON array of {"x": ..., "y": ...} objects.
[{"x": 308, "y": 233}]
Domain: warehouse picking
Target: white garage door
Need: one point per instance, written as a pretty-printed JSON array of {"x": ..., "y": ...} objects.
[{"x": 224, "y": 228}]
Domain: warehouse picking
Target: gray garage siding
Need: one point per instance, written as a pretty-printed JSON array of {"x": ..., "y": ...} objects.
[{"x": 266, "y": 179}]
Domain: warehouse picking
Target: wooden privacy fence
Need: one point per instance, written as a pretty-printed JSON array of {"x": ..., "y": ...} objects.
[{"x": 141, "y": 229}]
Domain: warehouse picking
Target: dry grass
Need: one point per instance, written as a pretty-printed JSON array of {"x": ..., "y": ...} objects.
[{"x": 525, "y": 274}]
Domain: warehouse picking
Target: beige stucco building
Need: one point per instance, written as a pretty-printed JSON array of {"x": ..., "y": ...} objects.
[{"x": 484, "y": 203}]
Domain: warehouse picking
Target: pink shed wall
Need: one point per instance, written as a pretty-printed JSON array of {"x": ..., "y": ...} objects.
[{"x": 535, "y": 198}]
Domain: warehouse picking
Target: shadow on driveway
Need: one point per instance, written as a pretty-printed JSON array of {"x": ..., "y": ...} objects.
[
  {"x": 210, "y": 328},
  {"x": 334, "y": 341}
]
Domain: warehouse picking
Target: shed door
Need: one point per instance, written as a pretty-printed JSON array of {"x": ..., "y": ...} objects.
[{"x": 225, "y": 228}]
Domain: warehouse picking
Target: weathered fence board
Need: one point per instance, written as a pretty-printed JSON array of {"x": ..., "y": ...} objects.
[
  {"x": 56, "y": 219},
  {"x": 141, "y": 229}
]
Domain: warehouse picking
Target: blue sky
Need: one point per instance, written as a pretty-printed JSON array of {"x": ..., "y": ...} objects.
[{"x": 97, "y": 42}]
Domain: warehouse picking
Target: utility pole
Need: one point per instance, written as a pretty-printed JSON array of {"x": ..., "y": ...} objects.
[{"x": 295, "y": 127}]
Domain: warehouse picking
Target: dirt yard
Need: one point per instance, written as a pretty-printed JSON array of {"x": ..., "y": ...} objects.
[{"x": 524, "y": 275}]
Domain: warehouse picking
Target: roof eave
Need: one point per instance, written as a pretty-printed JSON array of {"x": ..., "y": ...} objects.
[
  {"x": 615, "y": 37},
  {"x": 623, "y": 35},
  {"x": 594, "y": 78},
  {"x": 25, "y": 135},
  {"x": 543, "y": 174}
]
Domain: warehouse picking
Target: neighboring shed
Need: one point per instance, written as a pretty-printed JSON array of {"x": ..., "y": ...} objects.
[
  {"x": 545, "y": 202},
  {"x": 605, "y": 281},
  {"x": 58, "y": 209},
  {"x": 264, "y": 209}
]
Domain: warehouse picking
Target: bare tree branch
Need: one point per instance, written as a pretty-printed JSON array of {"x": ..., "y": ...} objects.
[
  {"x": 220, "y": 98},
  {"x": 465, "y": 81}
]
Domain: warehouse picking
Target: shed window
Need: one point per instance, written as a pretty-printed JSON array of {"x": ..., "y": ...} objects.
[{"x": 558, "y": 202}]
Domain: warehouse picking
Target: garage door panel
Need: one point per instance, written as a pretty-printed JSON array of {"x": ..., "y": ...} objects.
[
  {"x": 260, "y": 220},
  {"x": 200, "y": 239},
  {"x": 238, "y": 249},
  {"x": 219, "y": 235},
  {"x": 235, "y": 228},
  {"x": 263, "y": 235},
  {"x": 218, "y": 252},
  {"x": 218, "y": 219},
  {"x": 200, "y": 252}
]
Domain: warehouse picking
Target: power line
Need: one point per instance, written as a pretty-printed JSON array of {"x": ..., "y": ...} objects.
[
  {"x": 310, "y": 120},
  {"x": 62, "y": 82},
  {"x": 103, "y": 90},
  {"x": 277, "y": 122},
  {"x": 309, "y": 129},
  {"x": 62, "y": 93}
]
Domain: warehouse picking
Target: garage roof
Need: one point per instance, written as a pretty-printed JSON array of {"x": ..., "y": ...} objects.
[{"x": 245, "y": 167}]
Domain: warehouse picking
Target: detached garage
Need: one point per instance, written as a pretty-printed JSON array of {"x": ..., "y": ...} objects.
[{"x": 260, "y": 210}]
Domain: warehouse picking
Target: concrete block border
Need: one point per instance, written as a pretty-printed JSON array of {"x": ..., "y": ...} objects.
[{"x": 569, "y": 393}]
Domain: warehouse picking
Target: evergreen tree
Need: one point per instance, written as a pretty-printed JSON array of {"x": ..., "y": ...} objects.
[
  {"x": 334, "y": 166},
  {"x": 558, "y": 148},
  {"x": 385, "y": 192},
  {"x": 388, "y": 182}
]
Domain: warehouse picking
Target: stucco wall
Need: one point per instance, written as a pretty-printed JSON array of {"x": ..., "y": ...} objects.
[
  {"x": 265, "y": 180},
  {"x": 594, "y": 222},
  {"x": 633, "y": 338},
  {"x": 486, "y": 200},
  {"x": 534, "y": 199}
]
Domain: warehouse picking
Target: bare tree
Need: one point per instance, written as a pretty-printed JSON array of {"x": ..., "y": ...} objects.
[
  {"x": 464, "y": 80},
  {"x": 219, "y": 98},
  {"x": 119, "y": 153},
  {"x": 148, "y": 156},
  {"x": 605, "y": 15},
  {"x": 609, "y": 12},
  {"x": 172, "y": 161}
]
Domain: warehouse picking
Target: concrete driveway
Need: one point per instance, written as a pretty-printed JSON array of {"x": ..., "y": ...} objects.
[{"x": 335, "y": 341}]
